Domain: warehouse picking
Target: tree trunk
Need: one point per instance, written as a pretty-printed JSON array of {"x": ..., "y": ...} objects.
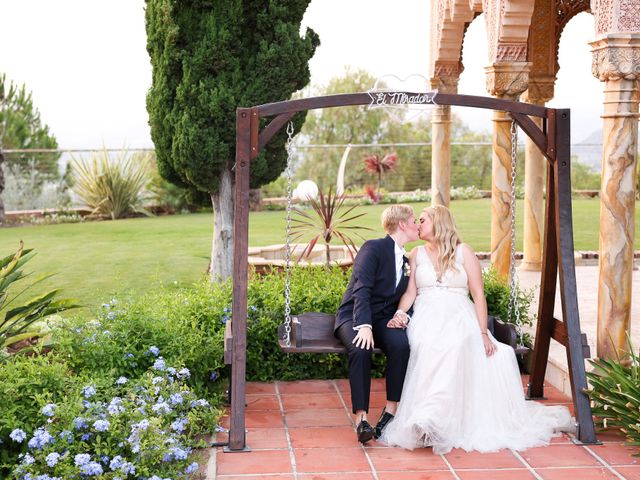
[
  {"x": 1, "y": 189},
  {"x": 221, "y": 264},
  {"x": 327, "y": 250}
]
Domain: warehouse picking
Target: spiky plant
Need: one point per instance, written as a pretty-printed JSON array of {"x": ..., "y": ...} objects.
[
  {"x": 112, "y": 187},
  {"x": 329, "y": 218},
  {"x": 379, "y": 166},
  {"x": 18, "y": 316},
  {"x": 615, "y": 394}
]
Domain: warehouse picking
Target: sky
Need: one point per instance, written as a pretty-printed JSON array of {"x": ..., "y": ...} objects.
[{"x": 86, "y": 62}]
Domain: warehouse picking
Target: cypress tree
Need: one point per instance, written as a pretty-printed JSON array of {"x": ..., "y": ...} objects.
[{"x": 210, "y": 57}]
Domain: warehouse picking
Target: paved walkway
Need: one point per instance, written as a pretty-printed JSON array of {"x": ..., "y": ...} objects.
[{"x": 303, "y": 430}]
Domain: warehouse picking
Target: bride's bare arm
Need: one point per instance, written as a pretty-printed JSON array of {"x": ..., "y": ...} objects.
[
  {"x": 476, "y": 288},
  {"x": 409, "y": 296}
]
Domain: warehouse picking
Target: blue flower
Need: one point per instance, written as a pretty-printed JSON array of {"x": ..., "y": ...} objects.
[
  {"x": 175, "y": 398},
  {"x": 121, "y": 380},
  {"x": 156, "y": 380},
  {"x": 82, "y": 459},
  {"x": 91, "y": 468},
  {"x": 86, "y": 436},
  {"x": 161, "y": 407},
  {"x": 179, "y": 424},
  {"x": 48, "y": 410},
  {"x": 66, "y": 435},
  {"x": 18, "y": 435},
  {"x": 199, "y": 403},
  {"x": 79, "y": 423},
  {"x": 89, "y": 391},
  {"x": 128, "y": 468},
  {"x": 159, "y": 364},
  {"x": 40, "y": 438},
  {"x": 214, "y": 376},
  {"x": 111, "y": 315},
  {"x": 171, "y": 371},
  {"x": 179, "y": 453},
  {"x": 154, "y": 350},
  {"x": 184, "y": 373},
  {"x": 192, "y": 468},
  {"x": 52, "y": 459},
  {"x": 128, "y": 355},
  {"x": 115, "y": 406},
  {"x": 116, "y": 462},
  {"x": 101, "y": 425},
  {"x": 28, "y": 459}
]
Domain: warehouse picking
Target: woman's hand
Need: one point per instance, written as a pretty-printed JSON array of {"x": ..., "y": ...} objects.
[
  {"x": 399, "y": 320},
  {"x": 489, "y": 347}
]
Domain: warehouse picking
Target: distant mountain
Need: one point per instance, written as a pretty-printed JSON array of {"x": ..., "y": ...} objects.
[{"x": 589, "y": 151}]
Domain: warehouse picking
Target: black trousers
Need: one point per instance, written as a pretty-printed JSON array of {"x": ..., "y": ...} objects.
[{"x": 394, "y": 343}]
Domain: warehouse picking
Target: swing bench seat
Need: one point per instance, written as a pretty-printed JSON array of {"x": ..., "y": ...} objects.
[{"x": 313, "y": 333}]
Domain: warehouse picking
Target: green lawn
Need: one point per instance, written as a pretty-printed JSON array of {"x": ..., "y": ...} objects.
[{"x": 93, "y": 260}]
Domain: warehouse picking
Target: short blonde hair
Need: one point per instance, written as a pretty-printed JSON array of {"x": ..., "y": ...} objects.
[{"x": 393, "y": 215}]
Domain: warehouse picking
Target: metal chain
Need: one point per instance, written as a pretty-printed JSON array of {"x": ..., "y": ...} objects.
[
  {"x": 514, "y": 304},
  {"x": 287, "y": 263}
]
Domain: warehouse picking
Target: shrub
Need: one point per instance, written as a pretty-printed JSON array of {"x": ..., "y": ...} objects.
[
  {"x": 496, "y": 290},
  {"x": 130, "y": 429},
  {"x": 465, "y": 193},
  {"x": 112, "y": 187},
  {"x": 27, "y": 383},
  {"x": 615, "y": 394},
  {"x": 122, "y": 340}
]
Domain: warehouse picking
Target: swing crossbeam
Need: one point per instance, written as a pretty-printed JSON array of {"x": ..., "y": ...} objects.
[{"x": 553, "y": 140}]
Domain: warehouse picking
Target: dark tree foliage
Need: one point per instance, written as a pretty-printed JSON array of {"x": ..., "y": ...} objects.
[{"x": 208, "y": 58}]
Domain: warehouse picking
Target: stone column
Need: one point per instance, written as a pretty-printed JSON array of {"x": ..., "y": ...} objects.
[
  {"x": 616, "y": 62},
  {"x": 538, "y": 93},
  {"x": 507, "y": 81},
  {"x": 445, "y": 80}
]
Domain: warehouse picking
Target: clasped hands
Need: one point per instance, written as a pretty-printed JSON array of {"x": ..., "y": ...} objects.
[{"x": 399, "y": 320}]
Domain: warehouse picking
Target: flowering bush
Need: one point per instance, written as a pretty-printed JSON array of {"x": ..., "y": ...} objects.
[
  {"x": 144, "y": 428},
  {"x": 125, "y": 337}
]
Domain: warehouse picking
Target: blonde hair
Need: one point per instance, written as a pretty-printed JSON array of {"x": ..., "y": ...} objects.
[
  {"x": 393, "y": 215},
  {"x": 446, "y": 237}
]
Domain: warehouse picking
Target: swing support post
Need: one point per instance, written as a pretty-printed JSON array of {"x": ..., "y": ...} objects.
[{"x": 558, "y": 255}]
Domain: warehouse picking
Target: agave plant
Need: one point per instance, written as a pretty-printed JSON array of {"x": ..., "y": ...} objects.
[
  {"x": 615, "y": 394},
  {"x": 379, "y": 166},
  {"x": 329, "y": 218},
  {"x": 17, "y": 316},
  {"x": 112, "y": 187}
]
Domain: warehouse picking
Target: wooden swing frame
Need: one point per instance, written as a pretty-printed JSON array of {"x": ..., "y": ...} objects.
[{"x": 553, "y": 140}]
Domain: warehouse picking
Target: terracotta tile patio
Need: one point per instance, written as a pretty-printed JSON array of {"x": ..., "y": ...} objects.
[{"x": 303, "y": 430}]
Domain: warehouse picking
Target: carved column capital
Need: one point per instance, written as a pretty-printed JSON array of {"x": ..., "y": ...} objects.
[
  {"x": 507, "y": 80},
  {"x": 616, "y": 57},
  {"x": 540, "y": 90},
  {"x": 446, "y": 76}
]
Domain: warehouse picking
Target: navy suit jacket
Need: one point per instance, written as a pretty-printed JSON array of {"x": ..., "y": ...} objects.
[{"x": 372, "y": 294}]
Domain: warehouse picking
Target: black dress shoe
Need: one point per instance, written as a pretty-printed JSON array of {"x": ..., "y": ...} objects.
[
  {"x": 385, "y": 418},
  {"x": 365, "y": 432}
]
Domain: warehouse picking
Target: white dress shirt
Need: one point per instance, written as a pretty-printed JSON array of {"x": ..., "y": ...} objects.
[{"x": 399, "y": 254}]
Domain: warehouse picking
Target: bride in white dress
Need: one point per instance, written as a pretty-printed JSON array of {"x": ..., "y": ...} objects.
[{"x": 462, "y": 388}]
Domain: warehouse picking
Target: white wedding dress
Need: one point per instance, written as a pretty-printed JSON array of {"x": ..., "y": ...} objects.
[{"x": 454, "y": 396}]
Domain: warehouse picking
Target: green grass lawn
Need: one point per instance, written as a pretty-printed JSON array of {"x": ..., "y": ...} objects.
[{"x": 94, "y": 260}]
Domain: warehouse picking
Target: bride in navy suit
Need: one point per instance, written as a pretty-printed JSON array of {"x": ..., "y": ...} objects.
[{"x": 380, "y": 277}]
